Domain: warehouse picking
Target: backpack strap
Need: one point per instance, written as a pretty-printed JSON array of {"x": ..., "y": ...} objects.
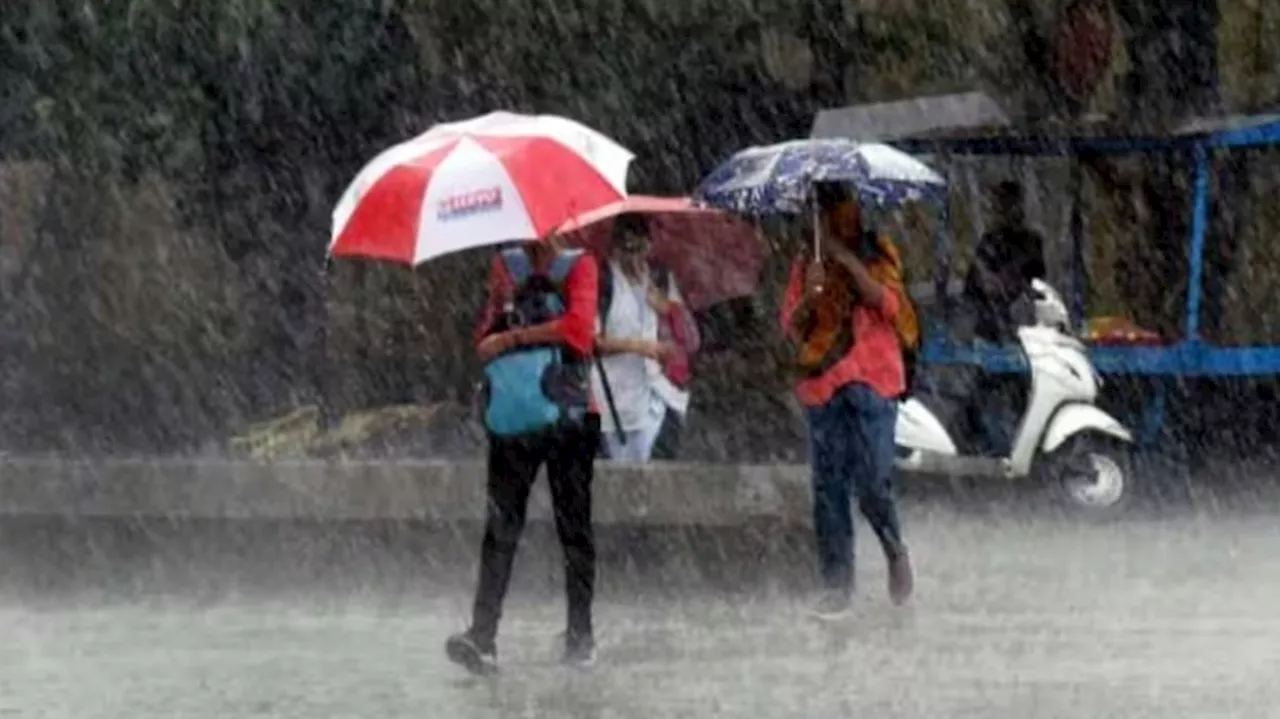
[
  {"x": 604, "y": 292},
  {"x": 521, "y": 269},
  {"x": 518, "y": 266},
  {"x": 562, "y": 264}
]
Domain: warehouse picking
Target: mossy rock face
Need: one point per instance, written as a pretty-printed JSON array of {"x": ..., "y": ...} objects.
[
  {"x": 443, "y": 430},
  {"x": 287, "y": 435}
]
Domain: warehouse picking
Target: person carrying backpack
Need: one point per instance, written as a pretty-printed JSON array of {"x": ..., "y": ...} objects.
[
  {"x": 536, "y": 338},
  {"x": 644, "y": 337},
  {"x": 847, "y": 311}
]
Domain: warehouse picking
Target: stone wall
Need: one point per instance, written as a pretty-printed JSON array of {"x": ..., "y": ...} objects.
[{"x": 427, "y": 491}]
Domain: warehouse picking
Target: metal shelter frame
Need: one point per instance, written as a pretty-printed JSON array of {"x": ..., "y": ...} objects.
[{"x": 1191, "y": 355}]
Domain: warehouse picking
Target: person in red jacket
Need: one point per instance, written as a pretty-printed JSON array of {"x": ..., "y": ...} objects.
[
  {"x": 567, "y": 448},
  {"x": 852, "y": 373}
]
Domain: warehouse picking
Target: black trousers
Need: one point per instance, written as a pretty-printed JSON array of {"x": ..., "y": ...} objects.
[{"x": 569, "y": 455}]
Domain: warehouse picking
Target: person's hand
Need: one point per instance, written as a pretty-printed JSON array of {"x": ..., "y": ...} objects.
[
  {"x": 838, "y": 251},
  {"x": 814, "y": 277},
  {"x": 657, "y": 351},
  {"x": 658, "y": 301},
  {"x": 494, "y": 345}
]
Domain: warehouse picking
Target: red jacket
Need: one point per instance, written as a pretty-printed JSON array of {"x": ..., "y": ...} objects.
[
  {"x": 875, "y": 358},
  {"x": 576, "y": 328}
]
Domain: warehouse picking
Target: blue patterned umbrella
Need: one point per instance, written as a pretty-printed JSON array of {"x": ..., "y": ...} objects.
[{"x": 776, "y": 179}]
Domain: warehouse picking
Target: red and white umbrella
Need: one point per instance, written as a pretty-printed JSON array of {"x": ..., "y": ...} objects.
[{"x": 485, "y": 181}]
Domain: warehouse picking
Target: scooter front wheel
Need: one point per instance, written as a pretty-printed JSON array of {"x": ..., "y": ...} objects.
[{"x": 1091, "y": 476}]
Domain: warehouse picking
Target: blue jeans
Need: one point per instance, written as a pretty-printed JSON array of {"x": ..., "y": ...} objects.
[{"x": 852, "y": 454}]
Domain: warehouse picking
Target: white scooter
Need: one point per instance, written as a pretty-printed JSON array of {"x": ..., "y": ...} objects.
[{"x": 1062, "y": 437}]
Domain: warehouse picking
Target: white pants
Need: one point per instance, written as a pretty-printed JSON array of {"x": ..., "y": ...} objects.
[{"x": 638, "y": 447}]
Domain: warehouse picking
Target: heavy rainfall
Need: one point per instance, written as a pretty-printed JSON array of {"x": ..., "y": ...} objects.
[{"x": 300, "y": 296}]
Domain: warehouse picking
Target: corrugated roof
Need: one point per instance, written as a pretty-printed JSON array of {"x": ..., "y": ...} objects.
[
  {"x": 888, "y": 121},
  {"x": 974, "y": 123}
]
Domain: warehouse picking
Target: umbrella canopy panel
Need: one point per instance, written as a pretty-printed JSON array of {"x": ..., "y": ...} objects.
[{"x": 494, "y": 179}]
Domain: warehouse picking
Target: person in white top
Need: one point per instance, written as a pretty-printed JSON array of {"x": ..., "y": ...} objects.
[{"x": 631, "y": 352}]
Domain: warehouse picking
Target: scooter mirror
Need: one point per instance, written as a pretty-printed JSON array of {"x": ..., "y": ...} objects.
[{"x": 1050, "y": 310}]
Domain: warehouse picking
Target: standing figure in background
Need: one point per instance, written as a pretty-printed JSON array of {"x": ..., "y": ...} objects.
[
  {"x": 637, "y": 305},
  {"x": 845, "y": 322}
]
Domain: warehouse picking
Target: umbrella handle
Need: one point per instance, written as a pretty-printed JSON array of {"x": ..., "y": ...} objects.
[{"x": 817, "y": 236}]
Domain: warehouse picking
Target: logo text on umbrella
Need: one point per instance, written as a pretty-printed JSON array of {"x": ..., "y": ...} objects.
[{"x": 466, "y": 204}]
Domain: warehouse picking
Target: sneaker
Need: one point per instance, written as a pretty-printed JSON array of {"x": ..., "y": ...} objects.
[
  {"x": 901, "y": 578},
  {"x": 463, "y": 650},
  {"x": 578, "y": 652},
  {"x": 833, "y": 604}
]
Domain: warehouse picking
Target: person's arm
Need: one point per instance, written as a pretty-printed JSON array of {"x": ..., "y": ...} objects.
[
  {"x": 870, "y": 293},
  {"x": 576, "y": 328},
  {"x": 890, "y": 303},
  {"x": 499, "y": 287},
  {"x": 628, "y": 346}
]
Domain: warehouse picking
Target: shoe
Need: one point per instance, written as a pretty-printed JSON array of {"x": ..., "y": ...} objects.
[
  {"x": 579, "y": 652},
  {"x": 901, "y": 578},
  {"x": 463, "y": 650},
  {"x": 833, "y": 604}
]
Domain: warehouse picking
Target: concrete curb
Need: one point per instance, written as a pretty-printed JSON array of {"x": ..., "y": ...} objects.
[
  {"x": 661, "y": 494},
  {"x": 705, "y": 495}
]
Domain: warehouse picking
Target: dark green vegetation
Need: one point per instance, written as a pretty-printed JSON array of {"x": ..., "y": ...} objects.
[{"x": 167, "y": 170}]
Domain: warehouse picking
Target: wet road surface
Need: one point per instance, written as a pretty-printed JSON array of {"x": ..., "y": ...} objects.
[{"x": 1046, "y": 618}]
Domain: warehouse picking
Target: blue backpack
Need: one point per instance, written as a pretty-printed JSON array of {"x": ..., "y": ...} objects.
[{"x": 532, "y": 389}]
